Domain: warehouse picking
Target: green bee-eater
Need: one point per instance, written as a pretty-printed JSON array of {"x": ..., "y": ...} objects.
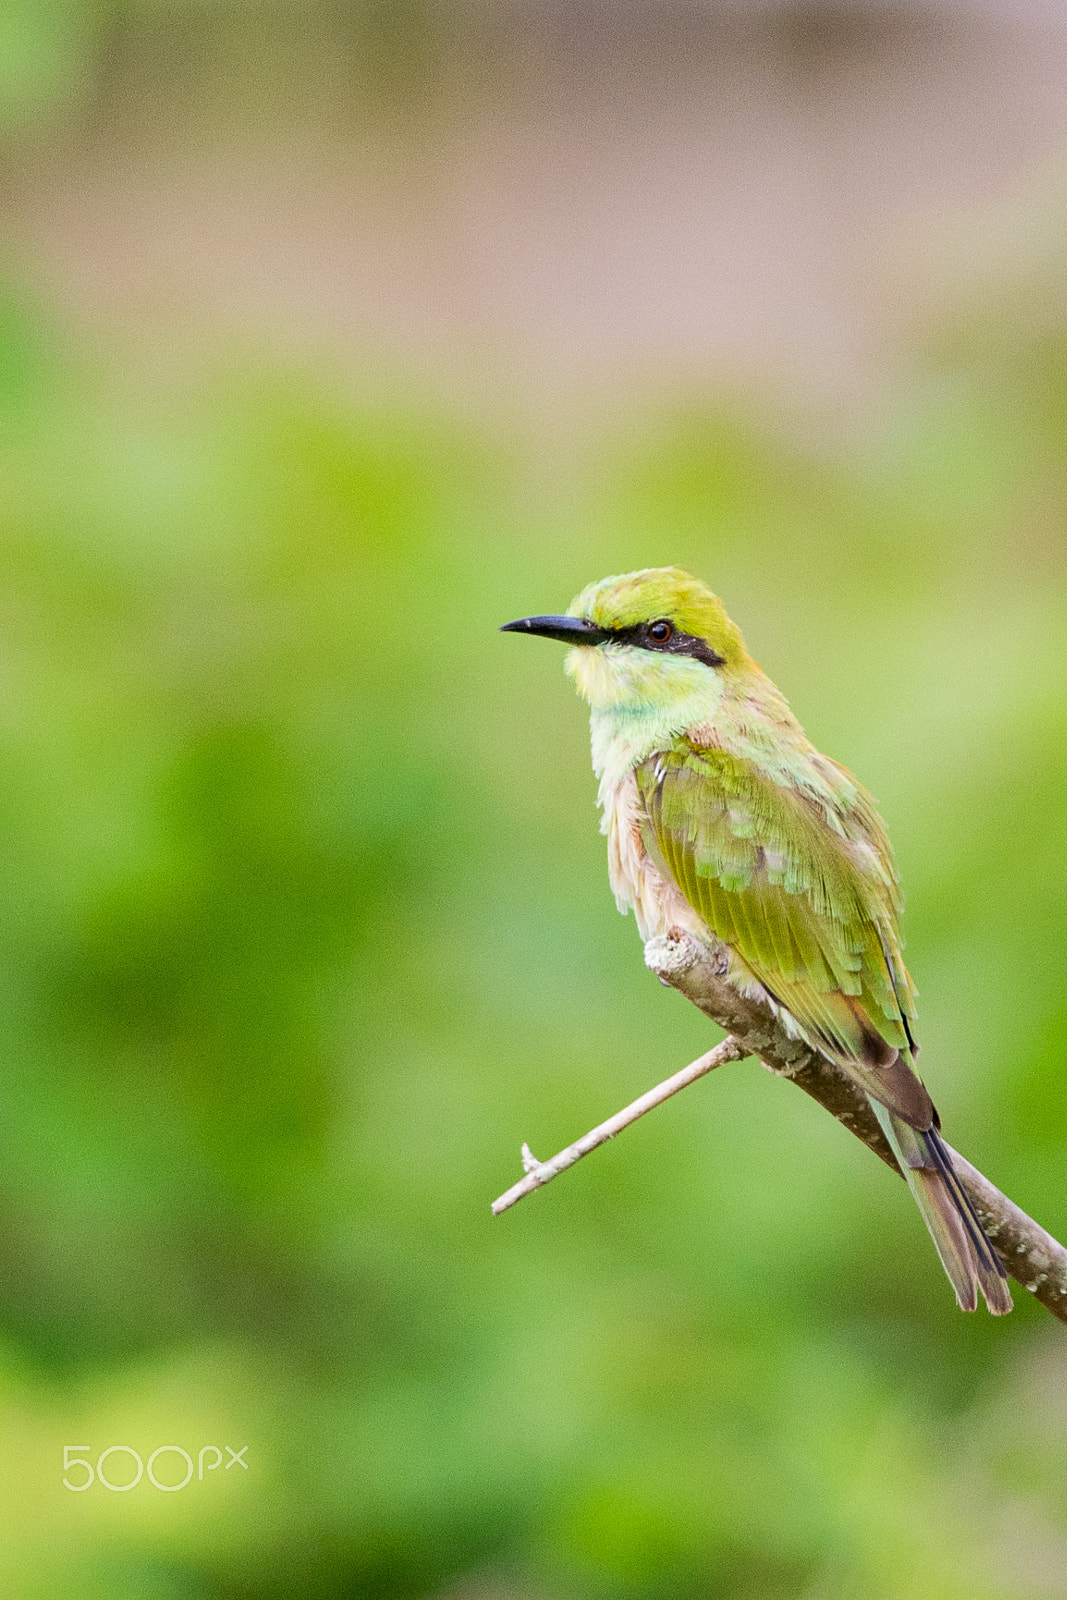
[{"x": 722, "y": 818}]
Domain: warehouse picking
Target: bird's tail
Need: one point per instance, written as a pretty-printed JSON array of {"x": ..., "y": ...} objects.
[{"x": 966, "y": 1253}]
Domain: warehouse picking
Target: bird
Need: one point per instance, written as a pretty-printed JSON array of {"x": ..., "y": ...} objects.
[{"x": 723, "y": 819}]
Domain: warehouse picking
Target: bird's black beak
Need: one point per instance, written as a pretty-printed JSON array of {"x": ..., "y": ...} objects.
[{"x": 571, "y": 630}]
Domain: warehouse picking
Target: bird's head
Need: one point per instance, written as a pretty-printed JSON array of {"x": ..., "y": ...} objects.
[{"x": 646, "y": 640}]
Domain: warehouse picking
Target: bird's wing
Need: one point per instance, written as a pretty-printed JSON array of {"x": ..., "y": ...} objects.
[{"x": 798, "y": 880}]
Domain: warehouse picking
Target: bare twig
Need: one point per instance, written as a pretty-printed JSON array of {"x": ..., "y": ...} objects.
[
  {"x": 539, "y": 1173},
  {"x": 1032, "y": 1257}
]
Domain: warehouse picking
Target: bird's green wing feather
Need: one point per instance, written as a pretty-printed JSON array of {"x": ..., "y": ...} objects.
[
  {"x": 791, "y": 868},
  {"x": 797, "y": 878}
]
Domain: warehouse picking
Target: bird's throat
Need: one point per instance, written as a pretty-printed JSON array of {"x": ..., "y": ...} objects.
[
  {"x": 639, "y": 703},
  {"x": 639, "y": 700}
]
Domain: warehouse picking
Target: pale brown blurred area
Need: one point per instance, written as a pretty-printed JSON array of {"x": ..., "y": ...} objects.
[{"x": 545, "y": 195}]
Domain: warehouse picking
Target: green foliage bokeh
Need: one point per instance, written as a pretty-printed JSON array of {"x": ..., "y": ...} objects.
[{"x": 306, "y": 927}]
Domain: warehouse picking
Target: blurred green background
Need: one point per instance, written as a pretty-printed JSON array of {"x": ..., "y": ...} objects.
[{"x": 306, "y": 923}]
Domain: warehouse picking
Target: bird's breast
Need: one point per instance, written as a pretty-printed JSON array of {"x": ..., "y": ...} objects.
[{"x": 636, "y": 880}]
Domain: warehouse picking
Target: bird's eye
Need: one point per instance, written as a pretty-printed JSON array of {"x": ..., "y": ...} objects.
[{"x": 660, "y": 631}]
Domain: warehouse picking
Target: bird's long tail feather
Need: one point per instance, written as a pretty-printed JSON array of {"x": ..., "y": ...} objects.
[{"x": 966, "y": 1253}]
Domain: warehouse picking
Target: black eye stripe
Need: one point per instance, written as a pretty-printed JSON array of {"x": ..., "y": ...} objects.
[{"x": 679, "y": 644}]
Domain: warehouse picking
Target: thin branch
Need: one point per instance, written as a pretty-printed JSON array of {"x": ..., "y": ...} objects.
[
  {"x": 539, "y": 1173},
  {"x": 1030, "y": 1255}
]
